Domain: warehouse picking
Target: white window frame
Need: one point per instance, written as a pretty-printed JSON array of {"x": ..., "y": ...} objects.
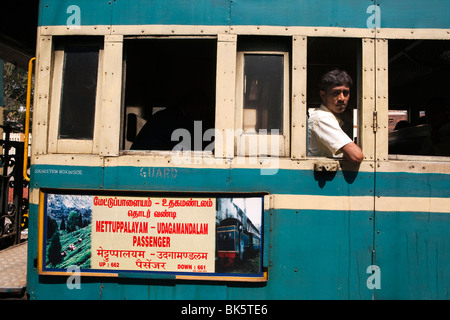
[
  {"x": 255, "y": 144},
  {"x": 57, "y": 145},
  {"x": 382, "y": 87}
]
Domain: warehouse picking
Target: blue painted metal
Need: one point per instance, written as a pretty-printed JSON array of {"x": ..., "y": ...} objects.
[
  {"x": 414, "y": 14},
  {"x": 56, "y": 13},
  {"x": 412, "y": 250},
  {"x": 398, "y": 184},
  {"x": 405, "y": 184},
  {"x": 78, "y": 177},
  {"x": 311, "y": 254},
  {"x": 186, "y": 179},
  {"x": 182, "y": 12},
  {"x": 324, "y": 13}
]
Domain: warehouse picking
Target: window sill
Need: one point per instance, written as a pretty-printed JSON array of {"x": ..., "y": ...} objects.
[{"x": 418, "y": 158}]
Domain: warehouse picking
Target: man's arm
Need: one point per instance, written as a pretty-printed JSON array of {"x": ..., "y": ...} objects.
[{"x": 352, "y": 153}]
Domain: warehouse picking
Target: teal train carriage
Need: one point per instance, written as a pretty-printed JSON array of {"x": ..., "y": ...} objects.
[{"x": 114, "y": 215}]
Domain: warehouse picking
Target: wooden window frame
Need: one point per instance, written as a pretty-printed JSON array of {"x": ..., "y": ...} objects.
[{"x": 247, "y": 144}]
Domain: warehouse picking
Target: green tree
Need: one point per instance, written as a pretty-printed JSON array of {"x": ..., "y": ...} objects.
[
  {"x": 73, "y": 222},
  {"x": 80, "y": 221},
  {"x": 52, "y": 227},
  {"x": 54, "y": 250},
  {"x": 62, "y": 226},
  {"x": 15, "y": 81}
]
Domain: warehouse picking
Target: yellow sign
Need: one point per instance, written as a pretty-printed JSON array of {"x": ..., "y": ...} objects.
[
  {"x": 157, "y": 234},
  {"x": 218, "y": 238}
]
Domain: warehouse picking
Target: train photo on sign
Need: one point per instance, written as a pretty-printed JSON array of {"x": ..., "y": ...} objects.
[{"x": 238, "y": 238}]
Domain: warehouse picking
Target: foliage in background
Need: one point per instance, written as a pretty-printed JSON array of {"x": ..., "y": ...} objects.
[{"x": 14, "y": 95}]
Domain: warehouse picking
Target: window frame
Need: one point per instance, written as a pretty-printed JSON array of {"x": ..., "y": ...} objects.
[
  {"x": 383, "y": 90},
  {"x": 362, "y": 94},
  {"x": 63, "y": 145},
  {"x": 207, "y": 153},
  {"x": 246, "y": 143}
]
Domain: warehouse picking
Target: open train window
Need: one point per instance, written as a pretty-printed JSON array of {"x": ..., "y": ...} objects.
[
  {"x": 262, "y": 96},
  {"x": 78, "y": 93},
  {"x": 75, "y": 94},
  {"x": 170, "y": 85},
  {"x": 326, "y": 54},
  {"x": 419, "y": 111}
]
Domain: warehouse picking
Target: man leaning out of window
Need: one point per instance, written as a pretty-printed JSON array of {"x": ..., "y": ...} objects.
[{"x": 326, "y": 137}]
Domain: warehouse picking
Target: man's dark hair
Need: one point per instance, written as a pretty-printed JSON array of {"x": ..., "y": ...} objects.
[{"x": 335, "y": 78}]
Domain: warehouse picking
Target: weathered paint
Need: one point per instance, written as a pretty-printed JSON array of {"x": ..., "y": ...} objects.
[
  {"x": 342, "y": 183},
  {"x": 324, "y": 13},
  {"x": 312, "y": 254},
  {"x": 412, "y": 250}
]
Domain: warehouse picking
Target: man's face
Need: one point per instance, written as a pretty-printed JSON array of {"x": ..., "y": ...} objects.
[{"x": 336, "y": 98}]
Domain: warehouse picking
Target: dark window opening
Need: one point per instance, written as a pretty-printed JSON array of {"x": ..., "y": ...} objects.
[
  {"x": 78, "y": 92},
  {"x": 263, "y": 92},
  {"x": 326, "y": 54},
  {"x": 419, "y": 111},
  {"x": 265, "y": 82},
  {"x": 170, "y": 84}
]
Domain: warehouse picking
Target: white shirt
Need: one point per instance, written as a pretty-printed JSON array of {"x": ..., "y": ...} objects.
[{"x": 325, "y": 135}]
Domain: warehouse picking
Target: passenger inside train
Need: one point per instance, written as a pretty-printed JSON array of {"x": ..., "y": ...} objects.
[
  {"x": 169, "y": 84},
  {"x": 418, "y": 118}
]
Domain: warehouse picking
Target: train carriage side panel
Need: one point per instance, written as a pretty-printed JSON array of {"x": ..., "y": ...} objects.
[
  {"x": 328, "y": 13},
  {"x": 412, "y": 223},
  {"x": 323, "y": 228}
]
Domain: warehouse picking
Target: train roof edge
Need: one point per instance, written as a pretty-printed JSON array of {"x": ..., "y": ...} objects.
[{"x": 324, "y": 13}]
